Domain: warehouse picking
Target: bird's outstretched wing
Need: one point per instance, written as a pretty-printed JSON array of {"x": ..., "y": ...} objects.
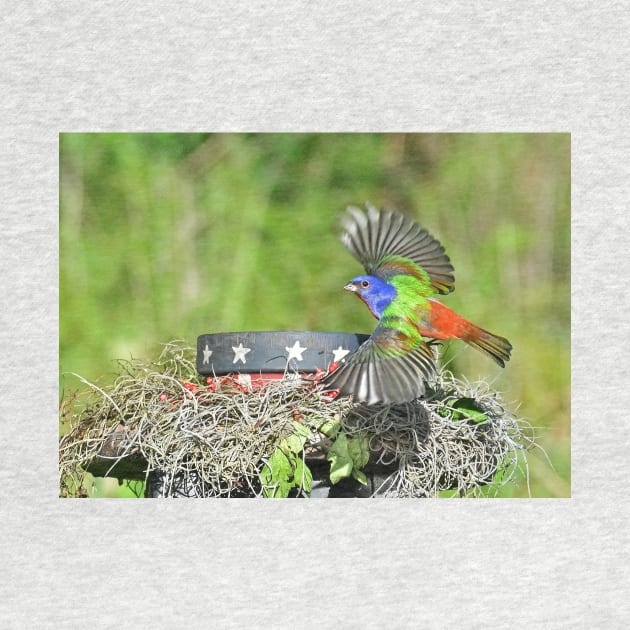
[
  {"x": 379, "y": 239},
  {"x": 387, "y": 368}
]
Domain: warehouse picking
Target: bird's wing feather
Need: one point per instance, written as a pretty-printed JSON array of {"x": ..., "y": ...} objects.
[
  {"x": 379, "y": 239},
  {"x": 384, "y": 369}
]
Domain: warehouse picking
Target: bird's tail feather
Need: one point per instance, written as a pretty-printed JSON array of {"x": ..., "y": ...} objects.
[
  {"x": 498, "y": 348},
  {"x": 444, "y": 323}
]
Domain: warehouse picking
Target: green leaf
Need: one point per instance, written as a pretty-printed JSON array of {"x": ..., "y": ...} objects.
[
  {"x": 359, "y": 475},
  {"x": 282, "y": 472},
  {"x": 296, "y": 441},
  {"x": 341, "y": 464},
  {"x": 359, "y": 450},
  {"x": 447, "y": 410},
  {"x": 347, "y": 456},
  {"x": 292, "y": 444},
  {"x": 330, "y": 428},
  {"x": 301, "y": 430},
  {"x": 471, "y": 410},
  {"x": 303, "y": 477},
  {"x": 276, "y": 475}
]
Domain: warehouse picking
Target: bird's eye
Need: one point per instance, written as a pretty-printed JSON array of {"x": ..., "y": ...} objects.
[{"x": 365, "y": 284}]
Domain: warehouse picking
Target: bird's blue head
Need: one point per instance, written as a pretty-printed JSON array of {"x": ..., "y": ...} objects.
[{"x": 378, "y": 295}]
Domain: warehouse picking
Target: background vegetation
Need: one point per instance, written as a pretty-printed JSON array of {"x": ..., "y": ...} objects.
[{"x": 168, "y": 236}]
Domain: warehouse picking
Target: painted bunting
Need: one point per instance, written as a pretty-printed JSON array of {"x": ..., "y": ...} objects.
[{"x": 406, "y": 267}]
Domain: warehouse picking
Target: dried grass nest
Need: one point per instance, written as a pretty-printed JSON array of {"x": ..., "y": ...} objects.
[{"x": 223, "y": 436}]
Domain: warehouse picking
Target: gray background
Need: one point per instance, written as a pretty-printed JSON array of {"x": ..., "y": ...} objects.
[{"x": 308, "y": 67}]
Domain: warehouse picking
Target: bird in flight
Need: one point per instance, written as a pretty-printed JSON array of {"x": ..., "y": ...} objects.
[{"x": 405, "y": 268}]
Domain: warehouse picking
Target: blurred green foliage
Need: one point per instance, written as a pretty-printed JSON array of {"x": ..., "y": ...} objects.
[{"x": 167, "y": 236}]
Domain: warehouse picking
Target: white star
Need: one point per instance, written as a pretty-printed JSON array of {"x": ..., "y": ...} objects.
[
  {"x": 295, "y": 351},
  {"x": 207, "y": 353},
  {"x": 340, "y": 353},
  {"x": 240, "y": 352}
]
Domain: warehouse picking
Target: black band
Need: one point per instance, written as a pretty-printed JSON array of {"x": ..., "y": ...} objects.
[{"x": 266, "y": 352}]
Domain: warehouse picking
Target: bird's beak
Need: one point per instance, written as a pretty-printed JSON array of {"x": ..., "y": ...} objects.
[{"x": 350, "y": 287}]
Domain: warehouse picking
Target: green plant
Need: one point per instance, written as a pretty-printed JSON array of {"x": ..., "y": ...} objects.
[{"x": 285, "y": 469}]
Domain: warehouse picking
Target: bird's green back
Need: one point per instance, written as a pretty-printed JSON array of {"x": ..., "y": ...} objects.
[{"x": 413, "y": 288}]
